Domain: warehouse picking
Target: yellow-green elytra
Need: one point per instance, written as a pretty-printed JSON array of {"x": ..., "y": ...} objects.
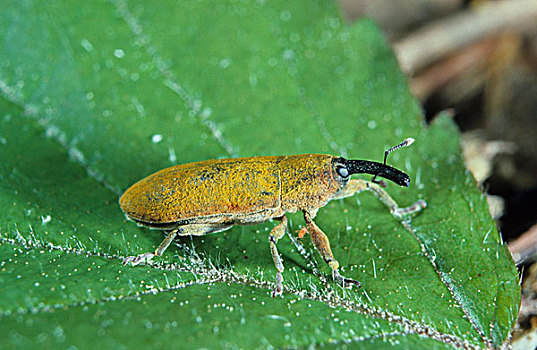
[{"x": 213, "y": 195}]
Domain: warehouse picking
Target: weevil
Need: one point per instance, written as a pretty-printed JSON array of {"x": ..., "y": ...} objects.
[{"x": 213, "y": 195}]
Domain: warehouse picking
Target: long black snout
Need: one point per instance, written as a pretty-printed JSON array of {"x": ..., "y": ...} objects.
[{"x": 374, "y": 168}]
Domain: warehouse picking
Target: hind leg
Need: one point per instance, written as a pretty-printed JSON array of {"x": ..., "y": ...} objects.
[
  {"x": 146, "y": 257},
  {"x": 187, "y": 230}
]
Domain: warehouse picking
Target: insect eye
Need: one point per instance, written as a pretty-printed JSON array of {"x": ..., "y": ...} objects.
[{"x": 342, "y": 171}]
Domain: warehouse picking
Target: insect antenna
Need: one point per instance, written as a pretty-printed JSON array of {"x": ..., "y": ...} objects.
[{"x": 406, "y": 142}]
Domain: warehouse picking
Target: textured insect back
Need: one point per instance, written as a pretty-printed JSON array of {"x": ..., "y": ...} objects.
[{"x": 202, "y": 189}]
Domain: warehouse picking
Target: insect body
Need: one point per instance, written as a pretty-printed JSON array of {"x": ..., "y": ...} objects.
[{"x": 212, "y": 196}]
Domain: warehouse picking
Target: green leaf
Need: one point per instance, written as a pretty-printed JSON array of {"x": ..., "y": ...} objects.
[{"x": 97, "y": 95}]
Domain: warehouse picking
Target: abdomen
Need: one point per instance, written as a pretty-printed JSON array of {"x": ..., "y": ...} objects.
[{"x": 222, "y": 190}]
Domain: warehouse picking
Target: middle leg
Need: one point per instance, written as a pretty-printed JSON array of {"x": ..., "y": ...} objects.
[{"x": 277, "y": 232}]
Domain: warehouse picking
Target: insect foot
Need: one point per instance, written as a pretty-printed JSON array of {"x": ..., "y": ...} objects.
[
  {"x": 138, "y": 259},
  {"x": 278, "y": 289},
  {"x": 345, "y": 282},
  {"x": 418, "y": 206}
]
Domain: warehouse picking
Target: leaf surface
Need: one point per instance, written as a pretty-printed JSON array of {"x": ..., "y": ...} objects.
[{"x": 97, "y": 95}]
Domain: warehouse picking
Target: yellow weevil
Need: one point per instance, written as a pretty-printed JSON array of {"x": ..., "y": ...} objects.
[{"x": 212, "y": 196}]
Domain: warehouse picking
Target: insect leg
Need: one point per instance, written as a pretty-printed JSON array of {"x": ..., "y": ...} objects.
[
  {"x": 322, "y": 244},
  {"x": 146, "y": 257},
  {"x": 356, "y": 186},
  {"x": 185, "y": 230},
  {"x": 277, "y": 232}
]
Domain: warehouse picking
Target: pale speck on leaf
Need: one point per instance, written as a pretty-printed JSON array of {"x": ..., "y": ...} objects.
[
  {"x": 45, "y": 219},
  {"x": 86, "y": 45},
  {"x": 171, "y": 155},
  {"x": 226, "y": 62},
  {"x": 156, "y": 138},
  {"x": 285, "y": 16},
  {"x": 119, "y": 53}
]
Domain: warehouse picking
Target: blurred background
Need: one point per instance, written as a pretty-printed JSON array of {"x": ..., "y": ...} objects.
[{"x": 478, "y": 60}]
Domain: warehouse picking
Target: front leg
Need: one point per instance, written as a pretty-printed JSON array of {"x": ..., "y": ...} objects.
[
  {"x": 322, "y": 244},
  {"x": 356, "y": 186}
]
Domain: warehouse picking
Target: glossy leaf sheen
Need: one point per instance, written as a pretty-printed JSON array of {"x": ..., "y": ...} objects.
[{"x": 97, "y": 95}]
